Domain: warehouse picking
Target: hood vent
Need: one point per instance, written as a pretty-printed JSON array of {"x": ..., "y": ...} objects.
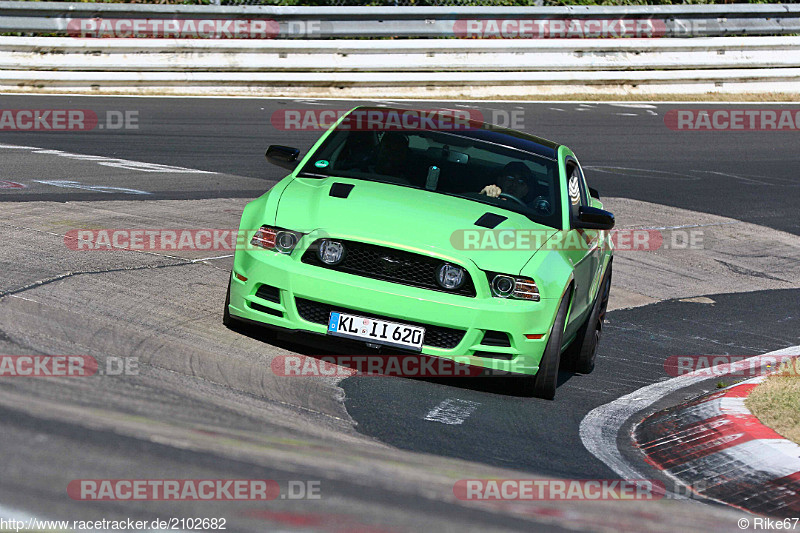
[
  {"x": 341, "y": 190},
  {"x": 488, "y": 220}
]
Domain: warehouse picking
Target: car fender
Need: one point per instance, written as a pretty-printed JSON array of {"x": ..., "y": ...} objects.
[
  {"x": 551, "y": 271},
  {"x": 259, "y": 212}
]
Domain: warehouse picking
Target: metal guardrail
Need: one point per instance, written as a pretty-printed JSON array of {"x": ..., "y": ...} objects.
[
  {"x": 373, "y": 22},
  {"x": 359, "y": 68},
  {"x": 333, "y": 54},
  {"x": 409, "y": 55}
]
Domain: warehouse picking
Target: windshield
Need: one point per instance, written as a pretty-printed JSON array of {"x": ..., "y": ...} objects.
[{"x": 446, "y": 163}]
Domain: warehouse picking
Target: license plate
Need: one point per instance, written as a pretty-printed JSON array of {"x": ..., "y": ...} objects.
[{"x": 376, "y": 331}]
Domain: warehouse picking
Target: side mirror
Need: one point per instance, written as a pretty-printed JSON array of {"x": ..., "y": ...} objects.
[
  {"x": 594, "y": 193},
  {"x": 283, "y": 156},
  {"x": 593, "y": 218}
]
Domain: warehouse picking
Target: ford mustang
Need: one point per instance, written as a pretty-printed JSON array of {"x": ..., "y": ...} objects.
[{"x": 453, "y": 239}]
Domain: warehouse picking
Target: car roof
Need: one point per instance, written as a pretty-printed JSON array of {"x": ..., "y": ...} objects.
[{"x": 485, "y": 131}]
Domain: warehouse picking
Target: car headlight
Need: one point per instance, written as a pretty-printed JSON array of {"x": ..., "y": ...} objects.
[
  {"x": 330, "y": 252},
  {"x": 450, "y": 277},
  {"x": 516, "y": 287},
  {"x": 280, "y": 240}
]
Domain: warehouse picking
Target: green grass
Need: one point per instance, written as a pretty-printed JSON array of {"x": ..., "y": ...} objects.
[{"x": 776, "y": 402}]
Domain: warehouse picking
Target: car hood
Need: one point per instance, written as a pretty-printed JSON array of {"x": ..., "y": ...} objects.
[{"x": 402, "y": 217}]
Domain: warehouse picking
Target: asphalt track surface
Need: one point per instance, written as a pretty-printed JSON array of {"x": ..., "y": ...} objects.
[
  {"x": 629, "y": 153},
  {"x": 747, "y": 175}
]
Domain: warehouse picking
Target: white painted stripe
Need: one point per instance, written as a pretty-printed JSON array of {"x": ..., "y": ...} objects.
[
  {"x": 753, "y": 381},
  {"x": 733, "y": 406},
  {"x": 768, "y": 459},
  {"x": 68, "y": 184},
  {"x": 703, "y": 411},
  {"x": 452, "y": 411},
  {"x": 635, "y": 106},
  {"x": 211, "y": 258},
  {"x": 111, "y": 161},
  {"x": 17, "y": 147},
  {"x": 600, "y": 428}
]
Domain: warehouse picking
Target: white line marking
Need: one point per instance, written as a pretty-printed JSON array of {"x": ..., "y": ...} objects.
[
  {"x": 452, "y": 411},
  {"x": 684, "y": 226},
  {"x": 627, "y": 114},
  {"x": 727, "y": 175},
  {"x": 634, "y": 106},
  {"x": 67, "y": 184},
  {"x": 16, "y": 147},
  {"x": 211, "y": 258},
  {"x": 600, "y": 428},
  {"x": 111, "y": 161}
]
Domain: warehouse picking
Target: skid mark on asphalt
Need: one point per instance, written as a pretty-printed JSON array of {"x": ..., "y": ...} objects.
[{"x": 452, "y": 411}]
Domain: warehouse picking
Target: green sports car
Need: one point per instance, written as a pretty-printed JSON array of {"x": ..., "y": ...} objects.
[{"x": 448, "y": 237}]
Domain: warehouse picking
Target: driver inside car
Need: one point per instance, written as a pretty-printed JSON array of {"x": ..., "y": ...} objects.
[{"x": 513, "y": 180}]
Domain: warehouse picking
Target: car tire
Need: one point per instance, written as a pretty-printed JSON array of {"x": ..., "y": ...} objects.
[
  {"x": 581, "y": 354},
  {"x": 543, "y": 384},
  {"x": 227, "y": 320}
]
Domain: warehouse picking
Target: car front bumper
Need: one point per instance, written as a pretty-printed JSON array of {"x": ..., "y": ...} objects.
[{"x": 455, "y": 325}]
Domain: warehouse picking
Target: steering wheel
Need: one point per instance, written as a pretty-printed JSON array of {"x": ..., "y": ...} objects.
[
  {"x": 542, "y": 205},
  {"x": 510, "y": 197}
]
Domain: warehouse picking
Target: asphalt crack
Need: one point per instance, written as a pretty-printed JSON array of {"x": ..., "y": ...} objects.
[
  {"x": 748, "y": 272},
  {"x": 67, "y": 275}
]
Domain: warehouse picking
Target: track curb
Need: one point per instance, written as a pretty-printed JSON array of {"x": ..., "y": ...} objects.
[{"x": 720, "y": 450}]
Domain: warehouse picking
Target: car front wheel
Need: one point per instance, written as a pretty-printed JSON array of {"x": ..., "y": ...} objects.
[
  {"x": 543, "y": 384},
  {"x": 581, "y": 354}
]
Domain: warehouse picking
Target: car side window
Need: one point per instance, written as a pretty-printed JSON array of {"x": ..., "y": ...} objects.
[{"x": 576, "y": 189}]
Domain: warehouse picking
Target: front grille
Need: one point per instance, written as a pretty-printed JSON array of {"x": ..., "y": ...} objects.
[
  {"x": 389, "y": 264},
  {"x": 435, "y": 336}
]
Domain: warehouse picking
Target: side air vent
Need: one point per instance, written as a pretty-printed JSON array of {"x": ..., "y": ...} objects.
[
  {"x": 268, "y": 292},
  {"x": 495, "y": 338}
]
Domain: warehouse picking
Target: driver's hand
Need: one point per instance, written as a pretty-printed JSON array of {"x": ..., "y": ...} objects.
[{"x": 492, "y": 190}]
